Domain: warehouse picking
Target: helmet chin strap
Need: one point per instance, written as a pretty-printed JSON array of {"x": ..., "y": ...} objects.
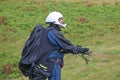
[
  {"x": 63, "y": 25},
  {"x": 58, "y": 25}
]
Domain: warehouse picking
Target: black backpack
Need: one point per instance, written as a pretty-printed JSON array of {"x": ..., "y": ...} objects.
[{"x": 36, "y": 50}]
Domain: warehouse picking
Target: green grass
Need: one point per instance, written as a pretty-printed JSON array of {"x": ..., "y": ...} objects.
[{"x": 93, "y": 24}]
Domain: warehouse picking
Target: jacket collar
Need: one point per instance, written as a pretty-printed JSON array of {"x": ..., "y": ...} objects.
[{"x": 55, "y": 26}]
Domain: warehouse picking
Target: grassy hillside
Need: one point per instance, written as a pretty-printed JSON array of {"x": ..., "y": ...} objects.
[{"x": 93, "y": 24}]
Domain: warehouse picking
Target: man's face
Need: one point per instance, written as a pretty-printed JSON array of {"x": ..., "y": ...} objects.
[{"x": 60, "y": 21}]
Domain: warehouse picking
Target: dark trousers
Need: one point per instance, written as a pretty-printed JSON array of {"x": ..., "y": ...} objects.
[{"x": 56, "y": 72}]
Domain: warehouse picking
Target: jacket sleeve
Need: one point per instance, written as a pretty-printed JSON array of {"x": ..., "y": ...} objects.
[{"x": 60, "y": 41}]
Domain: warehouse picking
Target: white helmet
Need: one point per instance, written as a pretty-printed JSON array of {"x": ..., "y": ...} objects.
[{"x": 53, "y": 18}]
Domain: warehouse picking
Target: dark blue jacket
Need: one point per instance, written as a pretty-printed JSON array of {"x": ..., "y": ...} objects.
[{"x": 61, "y": 43}]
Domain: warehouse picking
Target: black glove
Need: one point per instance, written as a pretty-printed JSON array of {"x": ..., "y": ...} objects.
[{"x": 85, "y": 51}]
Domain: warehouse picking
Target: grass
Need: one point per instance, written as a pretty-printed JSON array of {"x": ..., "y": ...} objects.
[
  {"x": 93, "y": 24},
  {"x": 101, "y": 67}
]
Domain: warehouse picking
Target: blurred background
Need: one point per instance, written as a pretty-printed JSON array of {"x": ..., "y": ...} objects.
[{"x": 91, "y": 23}]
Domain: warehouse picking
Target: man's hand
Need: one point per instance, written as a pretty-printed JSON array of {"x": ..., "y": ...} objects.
[{"x": 86, "y": 51}]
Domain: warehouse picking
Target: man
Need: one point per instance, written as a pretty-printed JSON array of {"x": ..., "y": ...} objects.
[{"x": 55, "y": 21}]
